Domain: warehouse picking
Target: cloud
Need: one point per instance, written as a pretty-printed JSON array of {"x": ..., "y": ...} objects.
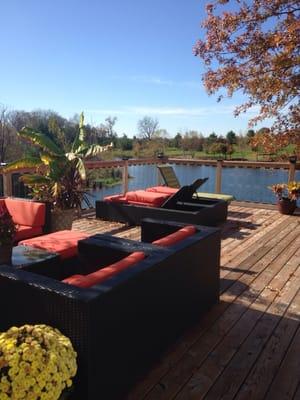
[
  {"x": 160, "y": 82},
  {"x": 166, "y": 111}
]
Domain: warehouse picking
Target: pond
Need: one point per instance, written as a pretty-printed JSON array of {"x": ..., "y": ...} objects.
[{"x": 245, "y": 184}]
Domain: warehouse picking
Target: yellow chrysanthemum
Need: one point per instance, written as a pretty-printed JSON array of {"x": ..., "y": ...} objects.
[{"x": 36, "y": 362}]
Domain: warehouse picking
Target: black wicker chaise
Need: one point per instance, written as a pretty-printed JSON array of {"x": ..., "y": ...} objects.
[{"x": 183, "y": 206}]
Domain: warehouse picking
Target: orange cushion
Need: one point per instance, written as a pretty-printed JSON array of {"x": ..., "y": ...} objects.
[
  {"x": 62, "y": 242},
  {"x": 176, "y": 237},
  {"x": 162, "y": 189},
  {"x": 117, "y": 197},
  {"x": 26, "y": 232},
  {"x": 142, "y": 196},
  {"x": 102, "y": 274},
  {"x": 27, "y": 213}
]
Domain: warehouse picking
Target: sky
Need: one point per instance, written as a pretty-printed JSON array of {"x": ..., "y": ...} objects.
[{"x": 111, "y": 58}]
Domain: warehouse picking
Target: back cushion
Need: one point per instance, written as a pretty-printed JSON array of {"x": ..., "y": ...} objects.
[
  {"x": 162, "y": 189},
  {"x": 142, "y": 196},
  {"x": 27, "y": 213},
  {"x": 85, "y": 281},
  {"x": 176, "y": 237}
]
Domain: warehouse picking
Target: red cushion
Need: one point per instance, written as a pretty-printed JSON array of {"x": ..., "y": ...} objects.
[
  {"x": 162, "y": 189},
  {"x": 25, "y": 212},
  {"x": 26, "y": 232},
  {"x": 176, "y": 237},
  {"x": 62, "y": 242},
  {"x": 117, "y": 198},
  {"x": 142, "y": 196},
  {"x": 101, "y": 275}
]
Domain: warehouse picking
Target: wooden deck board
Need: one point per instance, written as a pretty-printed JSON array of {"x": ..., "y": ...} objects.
[{"x": 247, "y": 346}]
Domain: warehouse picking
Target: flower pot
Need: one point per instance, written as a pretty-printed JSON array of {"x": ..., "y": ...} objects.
[
  {"x": 286, "y": 206},
  {"x": 62, "y": 219},
  {"x": 6, "y": 253}
]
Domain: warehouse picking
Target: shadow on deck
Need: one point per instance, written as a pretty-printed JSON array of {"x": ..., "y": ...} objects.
[{"x": 248, "y": 345}]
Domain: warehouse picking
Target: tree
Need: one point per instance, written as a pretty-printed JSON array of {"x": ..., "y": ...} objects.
[
  {"x": 125, "y": 143},
  {"x": 5, "y": 133},
  {"x": 110, "y": 123},
  {"x": 231, "y": 137},
  {"x": 220, "y": 148},
  {"x": 175, "y": 142},
  {"x": 212, "y": 138},
  {"x": 192, "y": 141},
  {"x": 249, "y": 135},
  {"x": 255, "y": 49},
  {"x": 147, "y": 127}
]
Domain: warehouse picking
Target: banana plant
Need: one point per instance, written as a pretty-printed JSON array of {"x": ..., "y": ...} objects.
[{"x": 58, "y": 174}]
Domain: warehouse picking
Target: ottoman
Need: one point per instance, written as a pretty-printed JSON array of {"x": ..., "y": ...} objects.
[{"x": 62, "y": 242}]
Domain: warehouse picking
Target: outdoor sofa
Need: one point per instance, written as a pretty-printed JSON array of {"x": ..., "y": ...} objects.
[
  {"x": 32, "y": 218},
  {"x": 163, "y": 203},
  {"x": 120, "y": 326}
]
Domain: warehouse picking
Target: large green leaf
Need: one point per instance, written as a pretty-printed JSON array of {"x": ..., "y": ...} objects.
[
  {"x": 81, "y": 168},
  {"x": 35, "y": 179},
  {"x": 94, "y": 150},
  {"x": 27, "y": 162},
  {"x": 41, "y": 140},
  {"x": 80, "y": 137}
]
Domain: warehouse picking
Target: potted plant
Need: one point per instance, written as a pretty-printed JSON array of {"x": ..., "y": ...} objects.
[
  {"x": 36, "y": 362},
  {"x": 7, "y": 235},
  {"x": 59, "y": 174},
  {"x": 287, "y": 195}
]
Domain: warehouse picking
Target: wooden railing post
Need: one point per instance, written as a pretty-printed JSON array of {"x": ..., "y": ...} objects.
[
  {"x": 292, "y": 168},
  {"x": 218, "y": 183},
  {"x": 160, "y": 181},
  {"x": 125, "y": 176},
  {"x": 7, "y": 184}
]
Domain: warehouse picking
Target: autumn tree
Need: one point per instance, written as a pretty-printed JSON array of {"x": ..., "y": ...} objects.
[
  {"x": 253, "y": 47},
  {"x": 192, "y": 141},
  {"x": 147, "y": 127}
]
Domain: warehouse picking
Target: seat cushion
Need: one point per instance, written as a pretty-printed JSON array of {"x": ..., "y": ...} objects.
[
  {"x": 85, "y": 281},
  {"x": 142, "y": 196},
  {"x": 26, "y": 232},
  {"x": 28, "y": 213},
  {"x": 62, "y": 242},
  {"x": 176, "y": 237},
  {"x": 162, "y": 189}
]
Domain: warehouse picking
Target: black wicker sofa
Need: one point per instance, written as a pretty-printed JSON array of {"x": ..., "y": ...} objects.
[
  {"x": 121, "y": 326},
  {"x": 182, "y": 206}
]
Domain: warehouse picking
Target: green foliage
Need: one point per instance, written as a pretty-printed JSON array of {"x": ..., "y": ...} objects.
[
  {"x": 59, "y": 175},
  {"x": 7, "y": 227},
  {"x": 231, "y": 137}
]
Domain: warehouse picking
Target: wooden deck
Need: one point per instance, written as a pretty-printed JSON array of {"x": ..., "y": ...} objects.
[{"x": 247, "y": 346}]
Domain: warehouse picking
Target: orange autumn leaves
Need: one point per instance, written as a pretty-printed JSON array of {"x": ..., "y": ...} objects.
[{"x": 254, "y": 48}]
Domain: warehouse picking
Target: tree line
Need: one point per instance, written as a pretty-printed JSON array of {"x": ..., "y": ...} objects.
[{"x": 149, "y": 141}]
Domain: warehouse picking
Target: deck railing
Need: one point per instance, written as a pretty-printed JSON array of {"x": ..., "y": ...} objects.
[{"x": 6, "y": 179}]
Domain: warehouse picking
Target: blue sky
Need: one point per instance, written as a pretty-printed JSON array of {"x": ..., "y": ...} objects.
[{"x": 110, "y": 57}]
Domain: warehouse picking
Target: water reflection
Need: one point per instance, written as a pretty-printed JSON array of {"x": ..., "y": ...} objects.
[{"x": 245, "y": 184}]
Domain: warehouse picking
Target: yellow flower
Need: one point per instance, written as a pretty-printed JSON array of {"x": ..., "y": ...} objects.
[{"x": 36, "y": 363}]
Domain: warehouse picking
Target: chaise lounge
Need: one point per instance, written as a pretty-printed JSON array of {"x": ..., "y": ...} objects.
[
  {"x": 163, "y": 203},
  {"x": 120, "y": 320}
]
